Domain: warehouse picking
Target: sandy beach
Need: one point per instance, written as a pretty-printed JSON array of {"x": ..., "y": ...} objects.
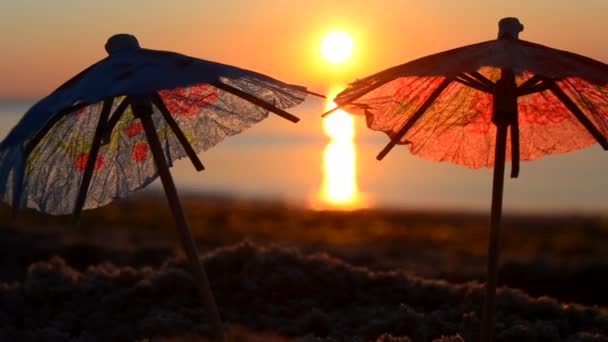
[{"x": 285, "y": 273}]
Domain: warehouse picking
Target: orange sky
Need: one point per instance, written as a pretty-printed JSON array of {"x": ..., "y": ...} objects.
[
  {"x": 44, "y": 45},
  {"x": 41, "y": 47}
]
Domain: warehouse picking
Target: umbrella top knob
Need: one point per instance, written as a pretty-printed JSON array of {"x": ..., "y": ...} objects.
[
  {"x": 509, "y": 28},
  {"x": 120, "y": 42}
]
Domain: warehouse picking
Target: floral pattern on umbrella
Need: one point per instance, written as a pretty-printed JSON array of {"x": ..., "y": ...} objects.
[
  {"x": 59, "y": 156},
  {"x": 458, "y": 127},
  {"x": 199, "y": 94}
]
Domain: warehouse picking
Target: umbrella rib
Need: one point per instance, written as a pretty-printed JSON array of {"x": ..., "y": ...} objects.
[
  {"x": 582, "y": 118},
  {"x": 158, "y": 102},
  {"x": 315, "y": 94},
  {"x": 414, "y": 118},
  {"x": 92, "y": 159},
  {"x": 256, "y": 101},
  {"x": 331, "y": 110},
  {"x": 488, "y": 87},
  {"x": 482, "y": 79},
  {"x": 109, "y": 127},
  {"x": 473, "y": 83},
  {"x": 532, "y": 89},
  {"x": 357, "y": 96},
  {"x": 530, "y": 82},
  {"x": 31, "y": 145},
  {"x": 469, "y": 84}
]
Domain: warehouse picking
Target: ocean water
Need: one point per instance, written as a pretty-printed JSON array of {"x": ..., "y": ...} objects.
[{"x": 305, "y": 164}]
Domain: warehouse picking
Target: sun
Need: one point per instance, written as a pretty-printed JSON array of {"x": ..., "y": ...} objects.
[{"x": 337, "y": 47}]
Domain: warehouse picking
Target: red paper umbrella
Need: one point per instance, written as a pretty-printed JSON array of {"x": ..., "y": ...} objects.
[
  {"x": 482, "y": 104},
  {"x": 118, "y": 125}
]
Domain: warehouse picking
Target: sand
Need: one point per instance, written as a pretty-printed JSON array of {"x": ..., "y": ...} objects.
[{"x": 325, "y": 276}]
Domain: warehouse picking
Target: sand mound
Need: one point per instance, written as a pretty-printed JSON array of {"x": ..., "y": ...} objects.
[{"x": 277, "y": 290}]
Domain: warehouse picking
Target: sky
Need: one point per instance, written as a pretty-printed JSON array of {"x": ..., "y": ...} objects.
[{"x": 45, "y": 43}]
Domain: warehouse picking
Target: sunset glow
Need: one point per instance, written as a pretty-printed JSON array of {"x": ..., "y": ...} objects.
[
  {"x": 271, "y": 170},
  {"x": 340, "y": 188},
  {"x": 337, "y": 47},
  {"x": 340, "y": 183}
]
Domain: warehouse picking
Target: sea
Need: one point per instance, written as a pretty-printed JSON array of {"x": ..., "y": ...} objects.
[{"x": 330, "y": 164}]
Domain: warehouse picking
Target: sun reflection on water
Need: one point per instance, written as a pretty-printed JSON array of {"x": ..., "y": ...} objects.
[{"x": 340, "y": 189}]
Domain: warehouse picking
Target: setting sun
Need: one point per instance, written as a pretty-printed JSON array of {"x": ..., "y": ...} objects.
[{"x": 337, "y": 47}]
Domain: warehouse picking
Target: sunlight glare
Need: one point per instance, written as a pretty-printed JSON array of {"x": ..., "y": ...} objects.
[
  {"x": 337, "y": 47},
  {"x": 340, "y": 184},
  {"x": 339, "y": 125},
  {"x": 340, "y": 188}
]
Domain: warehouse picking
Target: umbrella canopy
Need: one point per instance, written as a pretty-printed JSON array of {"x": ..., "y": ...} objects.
[
  {"x": 457, "y": 125},
  {"x": 48, "y": 150},
  {"x": 460, "y": 105}
]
